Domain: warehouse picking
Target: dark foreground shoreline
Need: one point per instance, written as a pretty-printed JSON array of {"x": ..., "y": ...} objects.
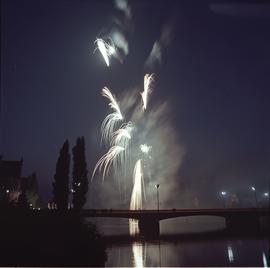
[
  {"x": 30, "y": 239},
  {"x": 49, "y": 240}
]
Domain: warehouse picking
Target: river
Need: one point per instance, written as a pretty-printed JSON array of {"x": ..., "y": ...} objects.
[{"x": 194, "y": 241}]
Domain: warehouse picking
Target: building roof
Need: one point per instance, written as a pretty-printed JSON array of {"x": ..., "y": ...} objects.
[{"x": 10, "y": 169}]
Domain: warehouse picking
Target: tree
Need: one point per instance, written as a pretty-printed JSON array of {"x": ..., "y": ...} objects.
[
  {"x": 61, "y": 178},
  {"x": 80, "y": 180}
]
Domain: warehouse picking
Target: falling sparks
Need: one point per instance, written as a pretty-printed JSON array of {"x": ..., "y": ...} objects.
[
  {"x": 106, "y": 50},
  {"x": 108, "y": 123},
  {"x": 107, "y": 160},
  {"x": 148, "y": 79},
  {"x": 122, "y": 135}
]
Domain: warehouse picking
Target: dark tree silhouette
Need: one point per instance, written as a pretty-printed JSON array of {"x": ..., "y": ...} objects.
[
  {"x": 80, "y": 180},
  {"x": 61, "y": 178}
]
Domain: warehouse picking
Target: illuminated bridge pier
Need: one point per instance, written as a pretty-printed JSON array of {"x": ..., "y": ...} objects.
[{"x": 236, "y": 218}]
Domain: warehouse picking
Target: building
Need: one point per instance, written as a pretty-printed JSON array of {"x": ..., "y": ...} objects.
[
  {"x": 10, "y": 179},
  {"x": 12, "y": 184}
]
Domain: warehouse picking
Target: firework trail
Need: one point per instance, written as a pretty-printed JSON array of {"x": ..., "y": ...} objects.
[
  {"x": 122, "y": 135},
  {"x": 148, "y": 79},
  {"x": 107, "y": 160},
  {"x": 106, "y": 50},
  {"x": 107, "y": 126},
  {"x": 138, "y": 186}
]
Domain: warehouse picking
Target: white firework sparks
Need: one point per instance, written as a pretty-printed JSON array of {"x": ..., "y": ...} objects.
[
  {"x": 106, "y": 50},
  {"x": 107, "y": 126},
  {"x": 138, "y": 187},
  {"x": 145, "y": 148},
  {"x": 148, "y": 79},
  {"x": 107, "y": 160},
  {"x": 122, "y": 135}
]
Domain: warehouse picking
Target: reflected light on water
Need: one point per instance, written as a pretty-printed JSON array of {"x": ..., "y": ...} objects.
[
  {"x": 230, "y": 254},
  {"x": 137, "y": 247},
  {"x": 264, "y": 260},
  {"x": 137, "y": 250},
  {"x": 134, "y": 227}
]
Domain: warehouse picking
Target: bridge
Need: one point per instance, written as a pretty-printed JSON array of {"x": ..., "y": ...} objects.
[
  {"x": 240, "y": 218},
  {"x": 173, "y": 213}
]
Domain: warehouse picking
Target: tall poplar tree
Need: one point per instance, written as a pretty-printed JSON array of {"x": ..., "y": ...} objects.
[
  {"x": 61, "y": 178},
  {"x": 80, "y": 180}
]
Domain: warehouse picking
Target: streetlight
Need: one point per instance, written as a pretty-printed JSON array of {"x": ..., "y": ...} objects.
[
  {"x": 266, "y": 197},
  {"x": 223, "y": 193},
  {"x": 157, "y": 186},
  {"x": 255, "y": 195}
]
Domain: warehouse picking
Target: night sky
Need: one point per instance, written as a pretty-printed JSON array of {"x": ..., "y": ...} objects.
[{"x": 215, "y": 73}]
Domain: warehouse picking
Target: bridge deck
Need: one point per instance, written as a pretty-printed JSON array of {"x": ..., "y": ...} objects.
[{"x": 166, "y": 214}]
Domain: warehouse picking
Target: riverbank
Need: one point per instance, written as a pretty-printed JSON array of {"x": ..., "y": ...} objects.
[{"x": 49, "y": 240}]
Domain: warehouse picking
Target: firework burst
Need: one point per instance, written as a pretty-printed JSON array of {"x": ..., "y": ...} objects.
[
  {"x": 107, "y": 160},
  {"x": 148, "y": 79},
  {"x": 108, "y": 124},
  {"x": 145, "y": 148},
  {"x": 106, "y": 49},
  {"x": 129, "y": 150},
  {"x": 122, "y": 135}
]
